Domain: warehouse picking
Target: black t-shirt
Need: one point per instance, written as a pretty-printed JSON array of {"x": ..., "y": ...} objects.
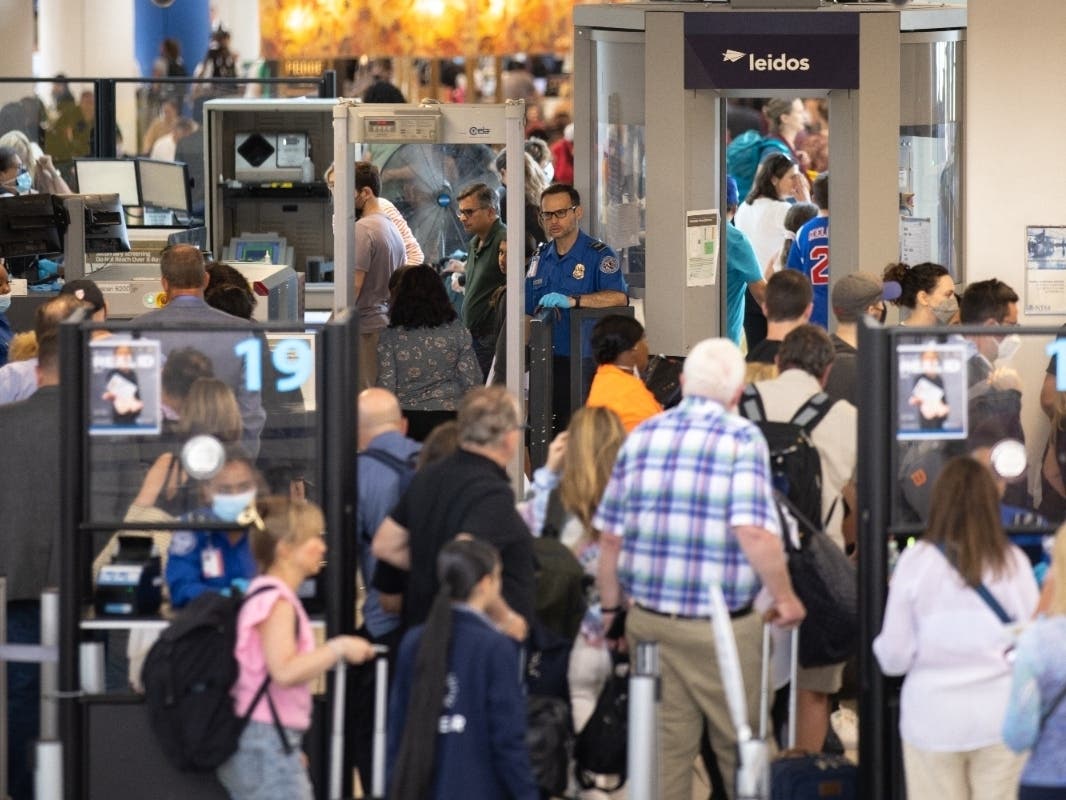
[
  {"x": 765, "y": 352},
  {"x": 463, "y": 493}
]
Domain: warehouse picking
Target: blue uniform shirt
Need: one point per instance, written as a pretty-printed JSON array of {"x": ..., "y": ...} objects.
[
  {"x": 186, "y": 561},
  {"x": 810, "y": 255},
  {"x": 589, "y": 266}
]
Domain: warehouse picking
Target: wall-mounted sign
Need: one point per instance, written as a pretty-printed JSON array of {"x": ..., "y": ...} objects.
[{"x": 814, "y": 50}]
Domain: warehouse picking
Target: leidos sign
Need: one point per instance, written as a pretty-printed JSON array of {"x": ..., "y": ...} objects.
[{"x": 771, "y": 51}]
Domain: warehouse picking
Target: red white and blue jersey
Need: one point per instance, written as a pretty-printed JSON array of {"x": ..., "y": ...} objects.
[{"x": 810, "y": 255}]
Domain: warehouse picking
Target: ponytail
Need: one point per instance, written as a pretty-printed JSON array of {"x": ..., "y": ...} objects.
[{"x": 461, "y": 565}]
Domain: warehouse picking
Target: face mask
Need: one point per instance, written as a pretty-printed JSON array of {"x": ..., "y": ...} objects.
[
  {"x": 946, "y": 309},
  {"x": 1008, "y": 347},
  {"x": 5, "y": 302},
  {"x": 227, "y": 507},
  {"x": 23, "y": 182}
]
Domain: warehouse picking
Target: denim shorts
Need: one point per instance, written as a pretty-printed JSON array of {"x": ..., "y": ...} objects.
[{"x": 260, "y": 770}]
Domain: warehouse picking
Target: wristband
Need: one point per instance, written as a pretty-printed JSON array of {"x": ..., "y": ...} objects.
[{"x": 611, "y": 610}]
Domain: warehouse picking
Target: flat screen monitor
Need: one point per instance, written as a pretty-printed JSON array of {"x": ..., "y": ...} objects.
[
  {"x": 164, "y": 184},
  {"x": 108, "y": 176},
  {"x": 31, "y": 225},
  {"x": 257, "y": 250},
  {"x": 105, "y": 224}
]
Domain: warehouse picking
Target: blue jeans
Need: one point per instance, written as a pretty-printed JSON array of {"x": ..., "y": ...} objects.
[
  {"x": 260, "y": 770},
  {"x": 23, "y": 698}
]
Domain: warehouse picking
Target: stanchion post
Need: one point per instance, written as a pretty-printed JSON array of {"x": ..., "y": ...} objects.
[
  {"x": 49, "y": 669},
  {"x": 643, "y": 733},
  {"x": 381, "y": 678}
]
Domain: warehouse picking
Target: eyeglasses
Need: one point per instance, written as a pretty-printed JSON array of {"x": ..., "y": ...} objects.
[
  {"x": 466, "y": 213},
  {"x": 560, "y": 214}
]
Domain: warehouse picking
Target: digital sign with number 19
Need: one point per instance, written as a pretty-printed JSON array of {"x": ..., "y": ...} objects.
[{"x": 292, "y": 358}]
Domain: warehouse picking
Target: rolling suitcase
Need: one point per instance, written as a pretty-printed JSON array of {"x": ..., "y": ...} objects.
[
  {"x": 376, "y": 789},
  {"x": 794, "y": 775}
]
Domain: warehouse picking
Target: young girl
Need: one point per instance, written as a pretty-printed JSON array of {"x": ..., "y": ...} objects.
[
  {"x": 457, "y": 719},
  {"x": 274, "y": 636}
]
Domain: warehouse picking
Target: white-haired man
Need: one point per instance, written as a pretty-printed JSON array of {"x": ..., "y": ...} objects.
[{"x": 689, "y": 504}]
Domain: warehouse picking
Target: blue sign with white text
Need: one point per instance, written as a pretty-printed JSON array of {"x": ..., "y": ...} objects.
[{"x": 814, "y": 50}]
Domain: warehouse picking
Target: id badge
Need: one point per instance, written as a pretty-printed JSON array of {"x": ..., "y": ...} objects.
[{"x": 211, "y": 562}]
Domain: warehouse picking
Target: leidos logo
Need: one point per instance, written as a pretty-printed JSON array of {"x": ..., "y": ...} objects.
[{"x": 771, "y": 63}]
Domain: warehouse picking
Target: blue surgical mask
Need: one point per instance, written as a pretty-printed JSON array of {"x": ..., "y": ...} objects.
[
  {"x": 5, "y": 302},
  {"x": 23, "y": 181},
  {"x": 228, "y": 507}
]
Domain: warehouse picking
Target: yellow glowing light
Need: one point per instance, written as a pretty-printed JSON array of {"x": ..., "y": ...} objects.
[
  {"x": 429, "y": 8},
  {"x": 496, "y": 8},
  {"x": 299, "y": 19}
]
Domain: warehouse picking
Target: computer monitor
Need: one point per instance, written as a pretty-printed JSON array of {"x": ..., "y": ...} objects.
[
  {"x": 164, "y": 184},
  {"x": 108, "y": 176},
  {"x": 257, "y": 250},
  {"x": 105, "y": 224},
  {"x": 32, "y": 225}
]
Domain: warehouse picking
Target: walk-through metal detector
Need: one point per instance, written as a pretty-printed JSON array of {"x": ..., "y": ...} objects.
[
  {"x": 434, "y": 124},
  {"x": 650, "y": 85}
]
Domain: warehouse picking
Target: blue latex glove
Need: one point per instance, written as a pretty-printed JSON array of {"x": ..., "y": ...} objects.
[
  {"x": 555, "y": 300},
  {"x": 239, "y": 585}
]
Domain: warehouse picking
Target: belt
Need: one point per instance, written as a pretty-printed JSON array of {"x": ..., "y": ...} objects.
[{"x": 740, "y": 612}]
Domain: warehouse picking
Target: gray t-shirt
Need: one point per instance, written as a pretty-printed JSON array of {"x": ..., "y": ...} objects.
[{"x": 379, "y": 251}]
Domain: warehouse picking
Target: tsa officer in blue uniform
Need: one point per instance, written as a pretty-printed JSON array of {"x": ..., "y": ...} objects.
[{"x": 572, "y": 270}]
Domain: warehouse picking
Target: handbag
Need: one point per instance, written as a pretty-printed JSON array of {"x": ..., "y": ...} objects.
[
  {"x": 601, "y": 745},
  {"x": 825, "y": 580}
]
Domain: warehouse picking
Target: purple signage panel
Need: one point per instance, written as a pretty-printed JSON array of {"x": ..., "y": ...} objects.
[{"x": 772, "y": 50}]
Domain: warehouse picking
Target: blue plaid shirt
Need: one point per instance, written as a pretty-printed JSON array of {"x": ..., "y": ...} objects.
[{"x": 683, "y": 481}]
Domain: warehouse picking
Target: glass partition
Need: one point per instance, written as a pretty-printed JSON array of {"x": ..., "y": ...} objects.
[
  {"x": 617, "y": 208},
  {"x": 930, "y": 148}
]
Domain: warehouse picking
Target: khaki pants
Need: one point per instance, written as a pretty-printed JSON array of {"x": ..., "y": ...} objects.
[
  {"x": 988, "y": 773},
  {"x": 692, "y": 691},
  {"x": 368, "y": 359}
]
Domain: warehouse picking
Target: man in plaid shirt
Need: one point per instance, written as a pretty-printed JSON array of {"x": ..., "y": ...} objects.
[{"x": 690, "y": 504}]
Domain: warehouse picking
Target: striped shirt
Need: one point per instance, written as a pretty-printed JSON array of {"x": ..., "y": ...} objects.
[{"x": 683, "y": 481}]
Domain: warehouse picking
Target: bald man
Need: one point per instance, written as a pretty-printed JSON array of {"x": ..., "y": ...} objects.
[{"x": 385, "y": 466}]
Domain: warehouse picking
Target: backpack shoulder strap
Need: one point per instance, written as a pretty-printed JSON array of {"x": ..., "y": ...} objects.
[
  {"x": 395, "y": 463},
  {"x": 750, "y": 405},
  {"x": 812, "y": 412}
]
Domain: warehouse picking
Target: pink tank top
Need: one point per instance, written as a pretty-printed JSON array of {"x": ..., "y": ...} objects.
[{"x": 293, "y": 703}]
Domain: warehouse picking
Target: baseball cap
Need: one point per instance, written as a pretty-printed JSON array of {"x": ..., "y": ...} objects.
[
  {"x": 854, "y": 293},
  {"x": 86, "y": 290},
  {"x": 732, "y": 194}
]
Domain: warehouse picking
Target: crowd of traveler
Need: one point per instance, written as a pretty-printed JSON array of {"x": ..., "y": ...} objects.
[{"x": 651, "y": 504}]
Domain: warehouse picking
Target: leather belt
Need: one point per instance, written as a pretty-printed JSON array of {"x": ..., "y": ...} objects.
[{"x": 739, "y": 613}]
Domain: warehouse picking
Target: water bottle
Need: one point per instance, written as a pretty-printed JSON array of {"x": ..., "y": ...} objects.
[{"x": 307, "y": 171}]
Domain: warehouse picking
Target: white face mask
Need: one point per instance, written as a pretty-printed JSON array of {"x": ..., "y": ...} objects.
[{"x": 1008, "y": 347}]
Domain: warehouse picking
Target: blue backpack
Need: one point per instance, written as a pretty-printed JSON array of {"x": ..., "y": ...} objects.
[{"x": 744, "y": 155}]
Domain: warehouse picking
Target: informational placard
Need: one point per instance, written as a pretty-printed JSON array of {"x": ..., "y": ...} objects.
[
  {"x": 931, "y": 391},
  {"x": 915, "y": 240},
  {"x": 124, "y": 387},
  {"x": 1045, "y": 269},
  {"x": 701, "y": 247}
]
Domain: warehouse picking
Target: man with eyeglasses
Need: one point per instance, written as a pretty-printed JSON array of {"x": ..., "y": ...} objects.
[
  {"x": 479, "y": 211},
  {"x": 572, "y": 270}
]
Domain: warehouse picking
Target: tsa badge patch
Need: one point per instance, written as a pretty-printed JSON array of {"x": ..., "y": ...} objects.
[
  {"x": 579, "y": 272},
  {"x": 183, "y": 543},
  {"x": 609, "y": 265}
]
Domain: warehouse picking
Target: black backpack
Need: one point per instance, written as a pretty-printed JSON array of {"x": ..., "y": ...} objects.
[
  {"x": 550, "y": 739},
  {"x": 187, "y": 678},
  {"x": 404, "y": 469},
  {"x": 794, "y": 460},
  {"x": 601, "y": 746}
]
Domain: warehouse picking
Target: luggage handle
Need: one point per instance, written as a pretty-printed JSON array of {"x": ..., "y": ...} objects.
[
  {"x": 336, "y": 760},
  {"x": 764, "y": 694}
]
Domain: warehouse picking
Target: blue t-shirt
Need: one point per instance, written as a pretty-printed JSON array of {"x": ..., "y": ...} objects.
[
  {"x": 810, "y": 255},
  {"x": 589, "y": 266},
  {"x": 742, "y": 268},
  {"x": 5, "y": 339}
]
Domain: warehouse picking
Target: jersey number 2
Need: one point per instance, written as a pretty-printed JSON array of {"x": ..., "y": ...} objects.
[{"x": 820, "y": 270}]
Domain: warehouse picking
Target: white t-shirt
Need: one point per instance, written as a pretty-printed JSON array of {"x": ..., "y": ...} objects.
[
  {"x": 763, "y": 222},
  {"x": 952, "y": 648}
]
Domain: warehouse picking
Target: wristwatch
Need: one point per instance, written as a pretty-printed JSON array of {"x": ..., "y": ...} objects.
[{"x": 577, "y": 301}]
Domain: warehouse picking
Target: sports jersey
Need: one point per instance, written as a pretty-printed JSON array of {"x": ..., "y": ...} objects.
[{"x": 810, "y": 255}]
